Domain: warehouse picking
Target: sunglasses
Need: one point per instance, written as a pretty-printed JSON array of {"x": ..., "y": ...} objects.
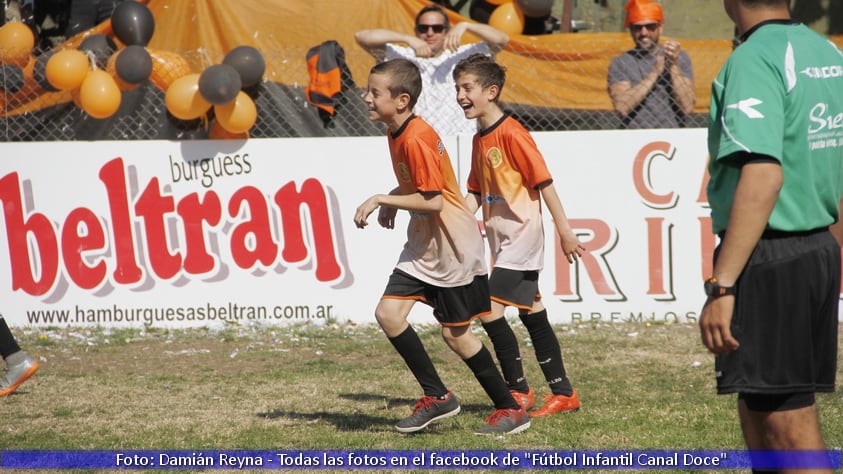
[
  {"x": 648, "y": 26},
  {"x": 421, "y": 29}
]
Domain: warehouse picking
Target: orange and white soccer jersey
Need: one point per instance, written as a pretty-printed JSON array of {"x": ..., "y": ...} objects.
[
  {"x": 507, "y": 172},
  {"x": 443, "y": 249}
]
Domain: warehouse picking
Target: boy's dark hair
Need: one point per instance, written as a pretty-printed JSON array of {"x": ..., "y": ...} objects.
[
  {"x": 437, "y": 9},
  {"x": 405, "y": 78},
  {"x": 488, "y": 72}
]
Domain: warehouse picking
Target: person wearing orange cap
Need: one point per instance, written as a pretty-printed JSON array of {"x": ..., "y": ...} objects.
[{"x": 651, "y": 86}]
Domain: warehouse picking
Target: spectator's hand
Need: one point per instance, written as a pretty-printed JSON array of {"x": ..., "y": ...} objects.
[
  {"x": 364, "y": 210},
  {"x": 454, "y": 37},
  {"x": 671, "y": 52},
  {"x": 658, "y": 65},
  {"x": 386, "y": 217},
  {"x": 715, "y": 325},
  {"x": 571, "y": 246},
  {"x": 421, "y": 48}
]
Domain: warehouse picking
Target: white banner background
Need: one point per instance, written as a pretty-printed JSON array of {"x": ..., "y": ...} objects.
[{"x": 634, "y": 196}]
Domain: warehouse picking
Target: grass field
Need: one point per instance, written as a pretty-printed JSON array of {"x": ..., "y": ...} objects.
[{"x": 342, "y": 386}]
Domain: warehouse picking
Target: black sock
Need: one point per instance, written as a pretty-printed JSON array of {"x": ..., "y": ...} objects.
[
  {"x": 411, "y": 349},
  {"x": 548, "y": 352},
  {"x": 8, "y": 345},
  {"x": 509, "y": 356},
  {"x": 490, "y": 379}
]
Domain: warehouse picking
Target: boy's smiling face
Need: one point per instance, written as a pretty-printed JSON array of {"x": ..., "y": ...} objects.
[
  {"x": 472, "y": 97},
  {"x": 382, "y": 106}
]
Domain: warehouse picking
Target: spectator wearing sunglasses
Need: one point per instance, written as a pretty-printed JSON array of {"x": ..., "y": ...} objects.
[
  {"x": 651, "y": 86},
  {"x": 436, "y": 49}
]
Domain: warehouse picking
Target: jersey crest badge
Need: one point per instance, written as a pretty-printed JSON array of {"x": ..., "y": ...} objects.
[{"x": 495, "y": 157}]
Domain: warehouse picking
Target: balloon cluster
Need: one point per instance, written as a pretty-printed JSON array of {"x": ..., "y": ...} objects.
[
  {"x": 508, "y": 15},
  {"x": 97, "y": 71},
  {"x": 220, "y": 86}
]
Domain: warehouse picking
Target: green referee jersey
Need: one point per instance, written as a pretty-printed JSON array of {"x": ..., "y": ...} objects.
[{"x": 780, "y": 94}]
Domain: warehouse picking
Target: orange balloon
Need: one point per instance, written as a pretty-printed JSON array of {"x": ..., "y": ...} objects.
[
  {"x": 508, "y": 18},
  {"x": 99, "y": 95},
  {"x": 67, "y": 69},
  {"x": 111, "y": 69},
  {"x": 183, "y": 99},
  {"x": 217, "y": 132},
  {"x": 76, "y": 95},
  {"x": 239, "y": 115},
  {"x": 16, "y": 42},
  {"x": 167, "y": 67}
]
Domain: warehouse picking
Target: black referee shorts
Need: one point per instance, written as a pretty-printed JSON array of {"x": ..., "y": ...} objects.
[{"x": 786, "y": 317}]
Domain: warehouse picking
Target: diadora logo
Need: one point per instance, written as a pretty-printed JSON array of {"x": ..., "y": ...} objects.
[
  {"x": 823, "y": 72},
  {"x": 441, "y": 147},
  {"x": 747, "y": 106}
]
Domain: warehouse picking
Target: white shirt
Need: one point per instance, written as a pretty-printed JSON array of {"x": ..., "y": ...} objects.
[{"x": 438, "y": 102}]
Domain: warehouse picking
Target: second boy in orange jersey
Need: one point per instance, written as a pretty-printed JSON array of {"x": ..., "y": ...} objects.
[
  {"x": 509, "y": 179},
  {"x": 442, "y": 263}
]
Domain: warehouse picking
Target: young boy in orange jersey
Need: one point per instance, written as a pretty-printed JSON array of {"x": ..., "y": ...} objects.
[
  {"x": 509, "y": 177},
  {"x": 442, "y": 263}
]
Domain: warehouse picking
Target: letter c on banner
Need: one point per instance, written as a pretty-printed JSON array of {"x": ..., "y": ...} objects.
[{"x": 642, "y": 175}]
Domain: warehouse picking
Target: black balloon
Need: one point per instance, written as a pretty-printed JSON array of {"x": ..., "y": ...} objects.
[
  {"x": 219, "y": 84},
  {"x": 40, "y": 71},
  {"x": 535, "y": 8},
  {"x": 133, "y": 64},
  {"x": 132, "y": 23},
  {"x": 101, "y": 46},
  {"x": 12, "y": 77},
  {"x": 248, "y": 62}
]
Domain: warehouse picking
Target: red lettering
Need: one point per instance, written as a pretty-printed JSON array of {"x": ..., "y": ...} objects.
[
  {"x": 659, "y": 249},
  {"x": 642, "y": 173},
  {"x": 83, "y": 232},
  {"x": 153, "y": 208},
  {"x": 194, "y": 212},
  {"x": 289, "y": 202},
  {"x": 251, "y": 240},
  {"x": 307, "y": 232},
  {"x": 18, "y": 231},
  {"x": 603, "y": 240},
  {"x": 126, "y": 270}
]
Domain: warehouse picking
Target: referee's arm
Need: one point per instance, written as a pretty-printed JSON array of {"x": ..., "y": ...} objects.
[{"x": 755, "y": 197}]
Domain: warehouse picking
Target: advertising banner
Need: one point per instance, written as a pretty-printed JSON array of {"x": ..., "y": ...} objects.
[{"x": 195, "y": 233}]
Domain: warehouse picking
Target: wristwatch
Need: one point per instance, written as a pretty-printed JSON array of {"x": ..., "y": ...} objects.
[{"x": 715, "y": 290}]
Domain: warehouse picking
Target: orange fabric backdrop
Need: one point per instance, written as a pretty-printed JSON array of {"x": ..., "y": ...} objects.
[{"x": 558, "y": 70}]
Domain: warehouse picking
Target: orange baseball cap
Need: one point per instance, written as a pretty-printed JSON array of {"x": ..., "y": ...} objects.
[{"x": 642, "y": 10}]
